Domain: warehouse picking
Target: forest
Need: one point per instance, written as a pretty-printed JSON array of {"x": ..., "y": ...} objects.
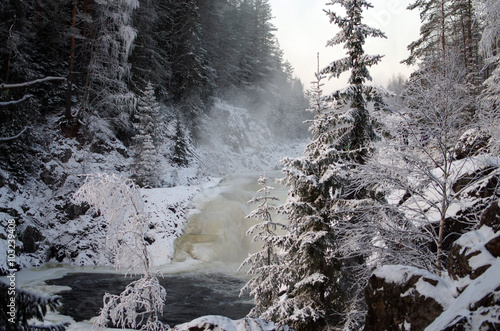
[{"x": 391, "y": 220}]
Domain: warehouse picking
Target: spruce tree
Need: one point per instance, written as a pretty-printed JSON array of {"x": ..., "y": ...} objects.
[
  {"x": 109, "y": 68},
  {"x": 263, "y": 286},
  {"x": 145, "y": 166},
  {"x": 308, "y": 272},
  {"x": 320, "y": 199},
  {"x": 180, "y": 149}
]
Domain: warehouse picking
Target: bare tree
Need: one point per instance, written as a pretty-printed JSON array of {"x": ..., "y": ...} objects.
[
  {"x": 120, "y": 202},
  {"x": 424, "y": 176}
]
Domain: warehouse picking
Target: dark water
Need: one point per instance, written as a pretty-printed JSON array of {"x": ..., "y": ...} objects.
[{"x": 188, "y": 295}]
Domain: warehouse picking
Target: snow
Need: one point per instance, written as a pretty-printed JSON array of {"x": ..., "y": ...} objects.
[
  {"x": 241, "y": 144},
  {"x": 475, "y": 241},
  {"x": 225, "y": 324},
  {"x": 443, "y": 292},
  {"x": 478, "y": 289}
]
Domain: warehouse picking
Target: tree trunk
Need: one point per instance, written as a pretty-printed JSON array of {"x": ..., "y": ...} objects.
[{"x": 68, "y": 114}]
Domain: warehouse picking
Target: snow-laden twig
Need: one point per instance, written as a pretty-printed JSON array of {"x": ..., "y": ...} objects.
[{"x": 15, "y": 102}]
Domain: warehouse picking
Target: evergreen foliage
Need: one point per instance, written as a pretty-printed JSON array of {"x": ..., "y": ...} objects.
[
  {"x": 320, "y": 199},
  {"x": 109, "y": 68},
  {"x": 180, "y": 149},
  {"x": 28, "y": 306},
  {"x": 145, "y": 167},
  {"x": 354, "y": 126},
  {"x": 309, "y": 271},
  {"x": 263, "y": 286}
]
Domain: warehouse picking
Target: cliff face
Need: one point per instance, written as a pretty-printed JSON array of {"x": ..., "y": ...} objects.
[{"x": 467, "y": 297}]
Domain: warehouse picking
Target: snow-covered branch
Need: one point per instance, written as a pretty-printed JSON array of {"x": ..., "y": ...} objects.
[
  {"x": 4, "y": 139},
  {"x": 120, "y": 202},
  {"x": 4, "y": 86},
  {"x": 14, "y": 102}
]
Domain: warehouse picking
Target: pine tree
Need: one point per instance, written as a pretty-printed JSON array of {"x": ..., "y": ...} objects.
[
  {"x": 434, "y": 32},
  {"x": 263, "y": 286},
  {"x": 145, "y": 166}
]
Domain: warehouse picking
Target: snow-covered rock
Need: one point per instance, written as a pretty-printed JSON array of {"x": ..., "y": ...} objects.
[
  {"x": 476, "y": 308},
  {"x": 405, "y": 298},
  {"x": 466, "y": 298},
  {"x": 220, "y": 323}
]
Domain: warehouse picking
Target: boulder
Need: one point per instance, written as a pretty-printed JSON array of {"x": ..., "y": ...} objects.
[
  {"x": 491, "y": 216},
  {"x": 472, "y": 142},
  {"x": 477, "y": 307},
  {"x": 404, "y": 298},
  {"x": 469, "y": 255},
  {"x": 30, "y": 237}
]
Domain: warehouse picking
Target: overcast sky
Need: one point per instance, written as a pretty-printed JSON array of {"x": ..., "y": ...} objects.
[{"x": 304, "y": 29}]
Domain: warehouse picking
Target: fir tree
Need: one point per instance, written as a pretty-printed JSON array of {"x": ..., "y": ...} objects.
[
  {"x": 145, "y": 166},
  {"x": 263, "y": 286}
]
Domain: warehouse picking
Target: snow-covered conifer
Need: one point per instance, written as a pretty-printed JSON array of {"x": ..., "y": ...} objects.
[
  {"x": 109, "y": 69},
  {"x": 120, "y": 202},
  {"x": 315, "y": 281},
  {"x": 309, "y": 273},
  {"x": 28, "y": 306},
  {"x": 180, "y": 148},
  {"x": 146, "y": 161},
  {"x": 354, "y": 129},
  {"x": 264, "y": 285}
]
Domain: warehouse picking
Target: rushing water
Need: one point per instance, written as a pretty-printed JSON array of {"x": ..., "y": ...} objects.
[
  {"x": 216, "y": 229},
  {"x": 215, "y": 242}
]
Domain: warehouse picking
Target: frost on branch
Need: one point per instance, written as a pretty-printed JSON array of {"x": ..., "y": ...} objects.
[
  {"x": 121, "y": 204},
  {"x": 137, "y": 305},
  {"x": 264, "y": 264},
  {"x": 119, "y": 201}
]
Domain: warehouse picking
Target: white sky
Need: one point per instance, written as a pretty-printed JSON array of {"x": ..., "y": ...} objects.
[{"x": 304, "y": 29}]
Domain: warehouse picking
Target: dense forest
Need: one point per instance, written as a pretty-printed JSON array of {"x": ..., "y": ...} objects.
[
  {"x": 91, "y": 61},
  {"x": 392, "y": 214}
]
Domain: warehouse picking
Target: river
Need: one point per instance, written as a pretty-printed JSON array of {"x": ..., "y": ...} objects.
[{"x": 203, "y": 278}]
